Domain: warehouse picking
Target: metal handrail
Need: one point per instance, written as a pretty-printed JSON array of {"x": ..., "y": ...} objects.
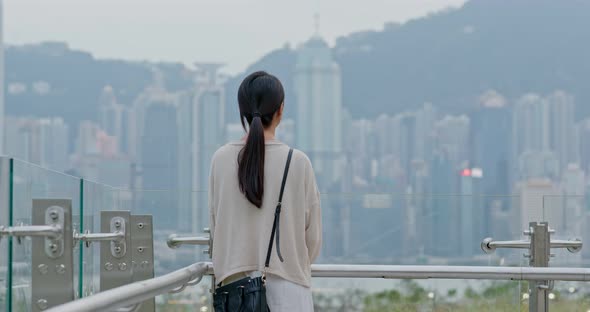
[
  {"x": 132, "y": 294},
  {"x": 573, "y": 245},
  {"x": 451, "y": 272},
  {"x": 52, "y": 231},
  {"x": 135, "y": 293},
  {"x": 489, "y": 245},
  {"x": 175, "y": 241}
]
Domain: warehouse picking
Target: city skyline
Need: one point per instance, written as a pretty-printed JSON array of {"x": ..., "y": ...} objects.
[
  {"x": 443, "y": 143},
  {"x": 493, "y": 161}
]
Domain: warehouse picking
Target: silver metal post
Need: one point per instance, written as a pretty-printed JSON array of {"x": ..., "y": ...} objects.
[
  {"x": 539, "y": 246},
  {"x": 52, "y": 256},
  {"x": 540, "y": 254}
]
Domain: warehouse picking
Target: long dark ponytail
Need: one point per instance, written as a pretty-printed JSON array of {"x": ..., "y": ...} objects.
[{"x": 260, "y": 95}]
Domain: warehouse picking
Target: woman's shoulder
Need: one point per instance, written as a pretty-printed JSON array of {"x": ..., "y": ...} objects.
[
  {"x": 301, "y": 160},
  {"x": 226, "y": 150},
  {"x": 300, "y": 156}
]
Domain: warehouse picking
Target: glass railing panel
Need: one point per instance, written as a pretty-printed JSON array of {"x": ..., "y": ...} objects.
[
  {"x": 377, "y": 295},
  {"x": 418, "y": 229},
  {"x": 32, "y": 182},
  {"x": 569, "y": 217},
  {"x": 569, "y": 296},
  {"x": 96, "y": 197},
  {"x": 182, "y": 212},
  {"x": 421, "y": 229},
  {"x": 195, "y": 298},
  {"x": 5, "y": 289}
]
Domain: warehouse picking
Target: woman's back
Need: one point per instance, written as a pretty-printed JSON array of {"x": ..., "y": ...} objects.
[
  {"x": 241, "y": 231},
  {"x": 246, "y": 182}
]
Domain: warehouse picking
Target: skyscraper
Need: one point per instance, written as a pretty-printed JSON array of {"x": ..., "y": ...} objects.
[
  {"x": 574, "y": 189},
  {"x": 452, "y": 136},
  {"x": 584, "y": 143},
  {"x": 441, "y": 218},
  {"x": 490, "y": 135},
  {"x": 2, "y": 125},
  {"x": 407, "y": 142},
  {"x": 318, "y": 94},
  {"x": 471, "y": 212},
  {"x": 208, "y": 134},
  {"x": 561, "y": 136},
  {"x": 361, "y": 132},
  {"x": 534, "y": 204},
  {"x": 160, "y": 157},
  {"x": 97, "y": 157},
  {"x": 491, "y": 130},
  {"x": 425, "y": 120},
  {"x": 531, "y": 125},
  {"x": 114, "y": 118},
  {"x": 544, "y": 125},
  {"x": 39, "y": 141},
  {"x": 54, "y": 144}
]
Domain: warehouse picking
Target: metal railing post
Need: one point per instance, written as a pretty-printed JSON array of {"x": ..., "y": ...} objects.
[
  {"x": 52, "y": 251},
  {"x": 539, "y": 257},
  {"x": 142, "y": 254},
  {"x": 115, "y": 255},
  {"x": 52, "y": 255},
  {"x": 539, "y": 247}
]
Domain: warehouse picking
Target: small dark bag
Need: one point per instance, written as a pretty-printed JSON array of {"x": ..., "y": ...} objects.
[{"x": 249, "y": 294}]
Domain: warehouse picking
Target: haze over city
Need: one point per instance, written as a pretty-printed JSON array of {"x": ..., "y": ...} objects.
[
  {"x": 234, "y": 32},
  {"x": 430, "y": 125}
]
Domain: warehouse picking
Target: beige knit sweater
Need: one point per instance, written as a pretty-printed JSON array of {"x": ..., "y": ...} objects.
[{"x": 241, "y": 231}]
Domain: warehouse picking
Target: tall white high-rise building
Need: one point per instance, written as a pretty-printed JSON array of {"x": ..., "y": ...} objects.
[
  {"x": 531, "y": 125},
  {"x": 452, "y": 137},
  {"x": 39, "y": 141},
  {"x": 545, "y": 125},
  {"x": 115, "y": 119},
  {"x": 54, "y": 135},
  {"x": 536, "y": 202},
  {"x": 425, "y": 120},
  {"x": 207, "y": 135},
  {"x": 318, "y": 93},
  {"x": 2, "y": 125},
  {"x": 573, "y": 185},
  {"x": 562, "y": 139}
]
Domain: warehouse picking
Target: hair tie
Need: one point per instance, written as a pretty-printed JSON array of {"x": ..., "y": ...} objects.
[{"x": 256, "y": 114}]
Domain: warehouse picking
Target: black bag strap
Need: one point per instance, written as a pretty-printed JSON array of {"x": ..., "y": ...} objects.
[{"x": 275, "y": 225}]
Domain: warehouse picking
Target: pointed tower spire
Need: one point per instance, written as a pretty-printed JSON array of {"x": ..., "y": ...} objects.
[{"x": 316, "y": 18}]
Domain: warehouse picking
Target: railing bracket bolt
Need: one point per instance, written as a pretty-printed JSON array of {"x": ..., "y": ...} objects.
[
  {"x": 60, "y": 269},
  {"x": 43, "y": 269},
  {"x": 42, "y": 304},
  {"x": 108, "y": 266}
]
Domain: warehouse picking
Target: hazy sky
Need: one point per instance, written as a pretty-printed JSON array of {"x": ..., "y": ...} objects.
[{"x": 236, "y": 32}]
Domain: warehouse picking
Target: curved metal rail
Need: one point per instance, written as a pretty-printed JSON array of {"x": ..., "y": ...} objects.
[{"x": 131, "y": 295}]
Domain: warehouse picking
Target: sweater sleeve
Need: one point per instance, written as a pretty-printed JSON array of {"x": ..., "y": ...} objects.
[{"x": 313, "y": 222}]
